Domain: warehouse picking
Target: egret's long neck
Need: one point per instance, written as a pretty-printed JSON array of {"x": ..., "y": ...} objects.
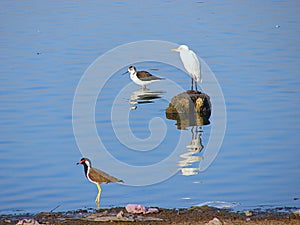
[{"x": 183, "y": 52}]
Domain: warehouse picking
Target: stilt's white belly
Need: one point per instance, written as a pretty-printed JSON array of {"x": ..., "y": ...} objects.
[{"x": 140, "y": 82}]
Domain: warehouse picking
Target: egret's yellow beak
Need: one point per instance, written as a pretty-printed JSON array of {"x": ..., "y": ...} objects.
[{"x": 174, "y": 49}]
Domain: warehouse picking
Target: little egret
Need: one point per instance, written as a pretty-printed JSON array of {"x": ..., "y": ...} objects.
[{"x": 190, "y": 62}]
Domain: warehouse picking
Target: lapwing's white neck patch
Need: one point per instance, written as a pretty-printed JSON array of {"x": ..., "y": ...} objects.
[{"x": 87, "y": 163}]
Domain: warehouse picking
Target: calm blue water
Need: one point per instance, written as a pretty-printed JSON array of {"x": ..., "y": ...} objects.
[{"x": 253, "y": 49}]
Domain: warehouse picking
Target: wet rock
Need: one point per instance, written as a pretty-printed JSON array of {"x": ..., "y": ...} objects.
[
  {"x": 214, "y": 221},
  {"x": 297, "y": 212},
  {"x": 120, "y": 214},
  {"x": 120, "y": 217},
  {"x": 108, "y": 218},
  {"x": 219, "y": 204},
  {"x": 248, "y": 213},
  {"x": 189, "y": 108},
  {"x": 190, "y": 102}
]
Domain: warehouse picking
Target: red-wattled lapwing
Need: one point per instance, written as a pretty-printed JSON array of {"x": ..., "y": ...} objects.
[
  {"x": 142, "y": 78},
  {"x": 96, "y": 176}
]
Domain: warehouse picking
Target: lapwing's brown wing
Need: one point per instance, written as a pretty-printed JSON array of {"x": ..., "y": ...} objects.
[
  {"x": 146, "y": 76},
  {"x": 102, "y": 177}
]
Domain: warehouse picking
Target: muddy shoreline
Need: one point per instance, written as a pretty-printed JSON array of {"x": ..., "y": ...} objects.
[{"x": 193, "y": 215}]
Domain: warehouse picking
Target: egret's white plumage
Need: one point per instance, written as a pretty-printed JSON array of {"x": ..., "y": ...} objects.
[{"x": 190, "y": 62}]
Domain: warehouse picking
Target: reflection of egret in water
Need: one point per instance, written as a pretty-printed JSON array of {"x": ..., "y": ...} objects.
[
  {"x": 143, "y": 96},
  {"x": 190, "y": 156},
  {"x": 191, "y": 110}
]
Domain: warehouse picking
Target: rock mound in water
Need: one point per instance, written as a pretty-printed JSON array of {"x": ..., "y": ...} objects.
[{"x": 190, "y": 108}]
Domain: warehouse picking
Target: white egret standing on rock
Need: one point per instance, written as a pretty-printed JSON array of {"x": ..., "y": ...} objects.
[{"x": 190, "y": 62}]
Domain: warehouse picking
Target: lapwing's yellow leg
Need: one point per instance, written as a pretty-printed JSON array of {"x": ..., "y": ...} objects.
[{"x": 98, "y": 196}]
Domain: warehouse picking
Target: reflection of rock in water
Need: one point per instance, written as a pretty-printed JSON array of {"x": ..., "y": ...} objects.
[
  {"x": 189, "y": 157},
  {"x": 189, "y": 108},
  {"x": 143, "y": 96}
]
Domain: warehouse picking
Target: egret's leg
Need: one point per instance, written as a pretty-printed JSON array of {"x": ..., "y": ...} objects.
[
  {"x": 98, "y": 196},
  {"x": 196, "y": 86},
  {"x": 192, "y": 84}
]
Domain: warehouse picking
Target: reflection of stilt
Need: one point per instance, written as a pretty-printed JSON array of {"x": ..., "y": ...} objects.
[
  {"x": 189, "y": 157},
  {"x": 143, "y": 96}
]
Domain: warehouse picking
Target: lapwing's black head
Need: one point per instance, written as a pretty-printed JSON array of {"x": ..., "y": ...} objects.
[
  {"x": 86, "y": 165},
  {"x": 85, "y": 162}
]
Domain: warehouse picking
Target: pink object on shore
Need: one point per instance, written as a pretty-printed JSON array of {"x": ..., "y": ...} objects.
[
  {"x": 28, "y": 222},
  {"x": 136, "y": 208}
]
